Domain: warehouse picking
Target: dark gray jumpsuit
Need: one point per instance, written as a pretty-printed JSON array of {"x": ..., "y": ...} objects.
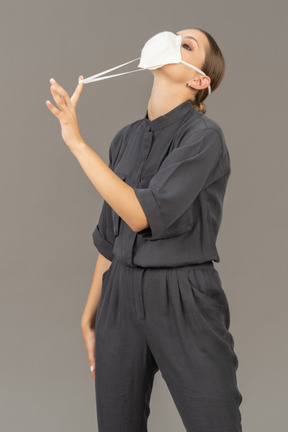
[{"x": 162, "y": 305}]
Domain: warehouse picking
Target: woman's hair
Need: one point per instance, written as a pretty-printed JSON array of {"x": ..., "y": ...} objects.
[{"x": 214, "y": 67}]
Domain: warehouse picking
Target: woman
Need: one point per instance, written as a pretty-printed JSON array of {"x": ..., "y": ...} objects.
[{"x": 156, "y": 301}]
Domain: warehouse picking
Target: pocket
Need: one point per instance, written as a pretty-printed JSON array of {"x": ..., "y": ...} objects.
[
  {"x": 222, "y": 297},
  {"x": 104, "y": 274},
  {"x": 206, "y": 285},
  {"x": 103, "y": 290},
  {"x": 116, "y": 219}
]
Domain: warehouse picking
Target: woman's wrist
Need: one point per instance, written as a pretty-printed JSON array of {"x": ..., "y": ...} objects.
[{"x": 77, "y": 147}]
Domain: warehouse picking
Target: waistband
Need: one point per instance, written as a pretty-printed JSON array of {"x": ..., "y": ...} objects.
[{"x": 185, "y": 267}]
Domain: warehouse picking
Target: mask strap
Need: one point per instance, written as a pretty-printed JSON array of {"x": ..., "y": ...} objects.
[
  {"x": 198, "y": 70},
  {"x": 95, "y": 77},
  {"x": 99, "y": 77}
]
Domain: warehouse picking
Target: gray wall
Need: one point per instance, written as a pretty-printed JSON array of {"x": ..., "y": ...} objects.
[{"x": 49, "y": 208}]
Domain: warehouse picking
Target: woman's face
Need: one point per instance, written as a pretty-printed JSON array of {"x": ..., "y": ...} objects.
[{"x": 193, "y": 46}]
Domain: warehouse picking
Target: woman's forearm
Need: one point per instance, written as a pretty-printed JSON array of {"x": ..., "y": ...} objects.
[
  {"x": 118, "y": 194},
  {"x": 89, "y": 314}
]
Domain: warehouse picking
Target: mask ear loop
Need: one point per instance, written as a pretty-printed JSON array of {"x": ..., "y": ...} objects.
[
  {"x": 96, "y": 77},
  {"x": 93, "y": 78},
  {"x": 198, "y": 70}
]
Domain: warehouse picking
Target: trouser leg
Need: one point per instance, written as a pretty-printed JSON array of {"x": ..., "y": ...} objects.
[
  {"x": 187, "y": 329},
  {"x": 124, "y": 364}
]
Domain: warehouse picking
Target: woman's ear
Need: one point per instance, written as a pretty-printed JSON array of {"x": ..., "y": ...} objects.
[{"x": 201, "y": 82}]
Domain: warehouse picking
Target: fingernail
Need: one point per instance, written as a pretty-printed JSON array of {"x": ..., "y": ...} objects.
[{"x": 52, "y": 80}]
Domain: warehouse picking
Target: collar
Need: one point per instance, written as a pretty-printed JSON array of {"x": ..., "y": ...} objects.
[{"x": 170, "y": 117}]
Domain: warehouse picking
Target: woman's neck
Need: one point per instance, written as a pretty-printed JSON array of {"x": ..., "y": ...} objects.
[{"x": 166, "y": 96}]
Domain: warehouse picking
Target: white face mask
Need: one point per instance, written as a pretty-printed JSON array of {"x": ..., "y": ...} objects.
[{"x": 161, "y": 49}]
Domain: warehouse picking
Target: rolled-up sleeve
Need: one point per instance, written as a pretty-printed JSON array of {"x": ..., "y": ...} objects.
[
  {"x": 181, "y": 177},
  {"x": 103, "y": 234}
]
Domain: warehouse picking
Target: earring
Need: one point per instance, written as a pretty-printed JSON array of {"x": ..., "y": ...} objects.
[{"x": 189, "y": 84}]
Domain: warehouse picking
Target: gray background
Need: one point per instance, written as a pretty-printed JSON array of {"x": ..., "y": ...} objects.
[{"x": 49, "y": 208}]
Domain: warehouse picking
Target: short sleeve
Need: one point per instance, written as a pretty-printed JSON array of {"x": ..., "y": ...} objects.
[
  {"x": 103, "y": 234},
  {"x": 181, "y": 177}
]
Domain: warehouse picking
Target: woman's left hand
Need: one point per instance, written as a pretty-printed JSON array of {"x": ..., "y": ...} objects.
[{"x": 67, "y": 116}]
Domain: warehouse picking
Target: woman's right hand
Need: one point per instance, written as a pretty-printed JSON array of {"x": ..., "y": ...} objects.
[{"x": 88, "y": 332}]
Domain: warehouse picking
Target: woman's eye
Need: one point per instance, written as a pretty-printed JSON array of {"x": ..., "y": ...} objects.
[{"x": 187, "y": 46}]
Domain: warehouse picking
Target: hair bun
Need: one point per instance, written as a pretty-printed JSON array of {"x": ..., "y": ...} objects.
[{"x": 201, "y": 106}]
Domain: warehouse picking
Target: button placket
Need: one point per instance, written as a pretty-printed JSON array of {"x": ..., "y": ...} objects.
[{"x": 145, "y": 150}]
